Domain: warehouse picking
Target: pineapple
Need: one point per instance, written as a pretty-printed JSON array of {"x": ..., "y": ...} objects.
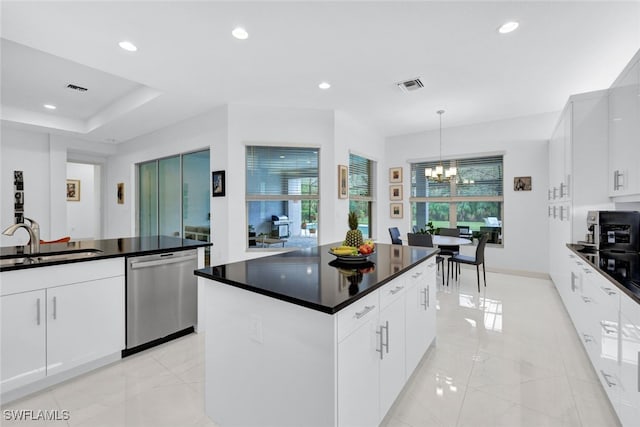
[{"x": 354, "y": 236}]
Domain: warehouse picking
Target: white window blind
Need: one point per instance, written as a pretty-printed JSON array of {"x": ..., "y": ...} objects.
[
  {"x": 361, "y": 179},
  {"x": 281, "y": 172}
]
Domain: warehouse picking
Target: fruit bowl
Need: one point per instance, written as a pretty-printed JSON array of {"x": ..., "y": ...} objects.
[{"x": 359, "y": 258}]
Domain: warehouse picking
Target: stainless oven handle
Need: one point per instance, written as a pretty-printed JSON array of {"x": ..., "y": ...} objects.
[{"x": 165, "y": 261}]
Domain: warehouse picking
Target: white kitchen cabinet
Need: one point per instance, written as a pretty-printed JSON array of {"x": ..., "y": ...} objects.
[
  {"x": 391, "y": 335},
  {"x": 359, "y": 384},
  {"x": 624, "y": 132},
  {"x": 629, "y": 412},
  {"x": 85, "y": 321},
  {"x": 66, "y": 320},
  {"x": 23, "y": 338},
  {"x": 420, "y": 313}
]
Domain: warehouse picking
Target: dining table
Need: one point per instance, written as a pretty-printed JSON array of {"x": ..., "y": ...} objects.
[{"x": 450, "y": 240}]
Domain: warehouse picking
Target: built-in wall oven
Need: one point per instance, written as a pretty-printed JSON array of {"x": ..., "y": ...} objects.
[
  {"x": 161, "y": 297},
  {"x": 614, "y": 230}
]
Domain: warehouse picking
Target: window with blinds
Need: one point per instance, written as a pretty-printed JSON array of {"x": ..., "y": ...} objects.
[
  {"x": 362, "y": 191},
  {"x": 281, "y": 172},
  {"x": 474, "y": 199}
]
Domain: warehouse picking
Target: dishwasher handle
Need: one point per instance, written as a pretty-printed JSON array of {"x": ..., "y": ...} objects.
[{"x": 163, "y": 261}]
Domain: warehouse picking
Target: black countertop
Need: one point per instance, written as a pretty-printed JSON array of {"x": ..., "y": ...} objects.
[
  {"x": 620, "y": 268},
  {"x": 313, "y": 278},
  {"x": 107, "y": 248}
]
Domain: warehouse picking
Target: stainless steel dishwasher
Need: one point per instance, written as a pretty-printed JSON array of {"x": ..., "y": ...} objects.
[{"x": 162, "y": 298}]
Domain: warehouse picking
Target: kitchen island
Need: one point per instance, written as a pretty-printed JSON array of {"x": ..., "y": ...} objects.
[{"x": 302, "y": 339}]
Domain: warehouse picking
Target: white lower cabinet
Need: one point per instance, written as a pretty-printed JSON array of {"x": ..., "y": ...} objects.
[
  {"x": 629, "y": 361},
  {"x": 23, "y": 342},
  {"x": 381, "y": 340},
  {"x": 57, "y": 326},
  {"x": 608, "y": 324},
  {"x": 84, "y": 322}
]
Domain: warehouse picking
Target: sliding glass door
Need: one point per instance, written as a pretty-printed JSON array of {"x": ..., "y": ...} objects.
[{"x": 174, "y": 196}]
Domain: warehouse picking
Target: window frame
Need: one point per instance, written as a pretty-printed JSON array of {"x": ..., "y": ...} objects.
[
  {"x": 453, "y": 199},
  {"x": 370, "y": 199}
]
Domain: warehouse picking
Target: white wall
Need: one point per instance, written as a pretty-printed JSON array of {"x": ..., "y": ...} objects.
[
  {"x": 83, "y": 216},
  {"x": 524, "y": 143},
  {"x": 43, "y": 158}
]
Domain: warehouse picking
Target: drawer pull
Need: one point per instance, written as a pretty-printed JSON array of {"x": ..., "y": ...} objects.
[
  {"x": 586, "y": 299},
  {"x": 396, "y": 290},
  {"x": 609, "y": 291},
  {"x": 587, "y": 338},
  {"x": 608, "y": 329},
  {"x": 418, "y": 274},
  {"x": 367, "y": 309},
  {"x": 586, "y": 270},
  {"x": 606, "y": 378}
]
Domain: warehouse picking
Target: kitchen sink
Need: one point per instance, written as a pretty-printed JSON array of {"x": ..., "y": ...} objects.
[{"x": 45, "y": 258}]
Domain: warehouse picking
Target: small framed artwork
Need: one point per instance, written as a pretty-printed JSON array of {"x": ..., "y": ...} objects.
[
  {"x": 120, "y": 193},
  {"x": 73, "y": 190},
  {"x": 395, "y": 192},
  {"x": 343, "y": 182},
  {"x": 395, "y": 175},
  {"x": 217, "y": 184},
  {"x": 396, "y": 210},
  {"x": 522, "y": 183}
]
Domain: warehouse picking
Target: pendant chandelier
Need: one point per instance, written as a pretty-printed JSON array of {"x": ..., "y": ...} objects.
[{"x": 439, "y": 173}]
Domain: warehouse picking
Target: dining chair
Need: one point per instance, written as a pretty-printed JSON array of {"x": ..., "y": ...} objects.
[
  {"x": 395, "y": 236},
  {"x": 477, "y": 260},
  {"x": 425, "y": 240},
  {"x": 449, "y": 251}
]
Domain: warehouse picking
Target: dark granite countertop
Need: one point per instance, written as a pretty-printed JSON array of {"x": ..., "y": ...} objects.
[
  {"x": 101, "y": 249},
  {"x": 620, "y": 268},
  {"x": 313, "y": 278}
]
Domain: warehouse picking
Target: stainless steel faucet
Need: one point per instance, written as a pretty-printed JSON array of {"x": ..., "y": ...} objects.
[{"x": 34, "y": 234}]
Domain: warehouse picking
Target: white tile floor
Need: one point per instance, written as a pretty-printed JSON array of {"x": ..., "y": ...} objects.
[{"x": 508, "y": 356}]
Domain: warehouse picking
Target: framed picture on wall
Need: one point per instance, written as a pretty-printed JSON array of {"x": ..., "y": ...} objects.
[
  {"x": 120, "y": 193},
  {"x": 395, "y": 192},
  {"x": 73, "y": 190},
  {"x": 522, "y": 183},
  {"x": 396, "y": 210},
  {"x": 395, "y": 175},
  {"x": 218, "y": 184},
  {"x": 343, "y": 182}
]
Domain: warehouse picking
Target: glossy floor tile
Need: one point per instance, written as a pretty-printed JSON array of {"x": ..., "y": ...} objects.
[{"x": 507, "y": 356}]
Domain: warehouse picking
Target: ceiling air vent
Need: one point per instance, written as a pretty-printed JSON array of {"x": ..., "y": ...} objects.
[
  {"x": 76, "y": 87},
  {"x": 410, "y": 85}
]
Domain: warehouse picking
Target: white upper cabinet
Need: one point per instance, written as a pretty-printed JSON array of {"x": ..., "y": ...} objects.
[{"x": 624, "y": 133}]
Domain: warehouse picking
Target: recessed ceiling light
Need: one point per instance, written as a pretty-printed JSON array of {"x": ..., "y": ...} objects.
[
  {"x": 240, "y": 33},
  {"x": 128, "y": 46},
  {"x": 324, "y": 85},
  {"x": 508, "y": 27},
  {"x": 49, "y": 106}
]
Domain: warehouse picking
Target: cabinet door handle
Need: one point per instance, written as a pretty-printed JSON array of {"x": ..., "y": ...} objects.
[
  {"x": 367, "y": 309},
  {"x": 396, "y": 290},
  {"x": 638, "y": 369},
  {"x": 424, "y": 298},
  {"x": 38, "y": 311},
  {"x": 586, "y": 270},
  {"x": 386, "y": 330},
  {"x": 606, "y": 378},
  {"x": 586, "y": 299},
  {"x": 617, "y": 175},
  {"x": 55, "y": 308},
  {"x": 418, "y": 274},
  {"x": 587, "y": 338},
  {"x": 608, "y": 329},
  {"x": 561, "y": 213},
  {"x": 573, "y": 281},
  {"x": 609, "y": 291},
  {"x": 428, "y": 296},
  {"x": 382, "y": 343}
]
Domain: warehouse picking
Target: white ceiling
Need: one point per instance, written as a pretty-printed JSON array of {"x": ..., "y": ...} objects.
[{"x": 187, "y": 61}]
